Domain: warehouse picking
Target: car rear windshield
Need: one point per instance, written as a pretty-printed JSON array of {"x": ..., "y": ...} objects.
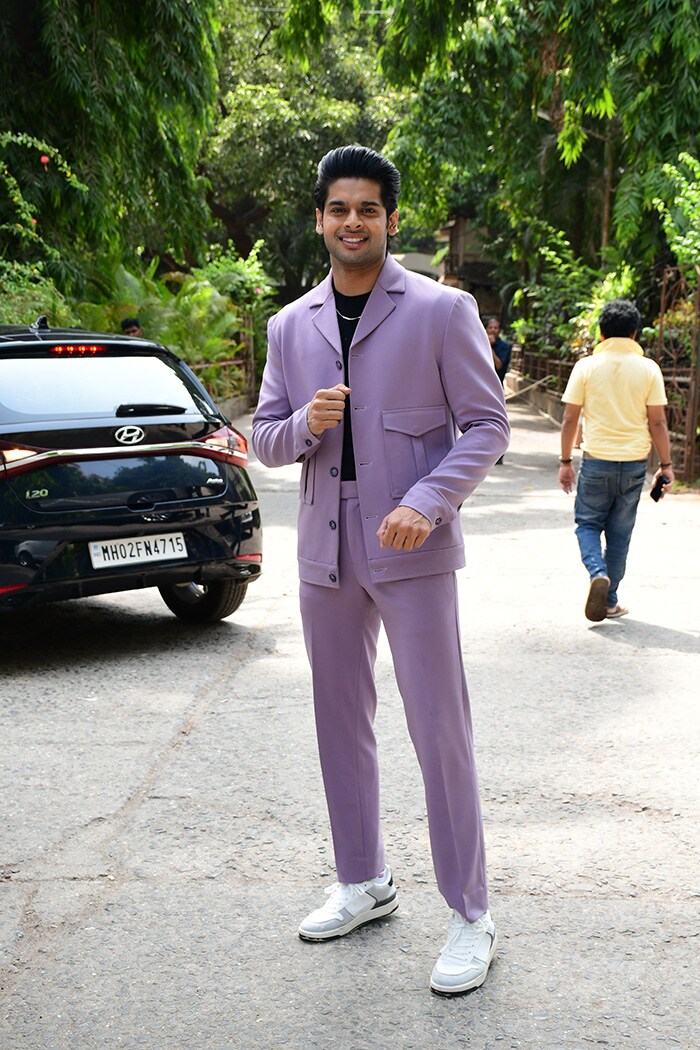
[{"x": 43, "y": 388}]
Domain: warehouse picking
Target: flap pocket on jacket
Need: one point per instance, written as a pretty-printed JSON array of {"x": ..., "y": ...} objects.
[
  {"x": 416, "y": 440},
  {"x": 415, "y": 421}
]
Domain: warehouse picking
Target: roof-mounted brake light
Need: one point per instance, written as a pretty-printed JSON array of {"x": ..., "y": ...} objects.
[{"x": 77, "y": 349}]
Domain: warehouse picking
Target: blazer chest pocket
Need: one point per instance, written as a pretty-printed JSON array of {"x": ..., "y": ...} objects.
[{"x": 416, "y": 440}]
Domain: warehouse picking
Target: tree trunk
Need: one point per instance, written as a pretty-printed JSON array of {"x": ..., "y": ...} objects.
[{"x": 607, "y": 198}]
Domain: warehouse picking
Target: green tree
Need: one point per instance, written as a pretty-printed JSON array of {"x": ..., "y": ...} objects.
[
  {"x": 184, "y": 311},
  {"x": 681, "y": 212},
  {"x": 562, "y": 111},
  {"x": 26, "y": 291},
  {"x": 277, "y": 121},
  {"x": 125, "y": 90}
]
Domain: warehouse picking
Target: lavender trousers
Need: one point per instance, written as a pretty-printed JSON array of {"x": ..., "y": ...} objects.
[{"x": 420, "y": 617}]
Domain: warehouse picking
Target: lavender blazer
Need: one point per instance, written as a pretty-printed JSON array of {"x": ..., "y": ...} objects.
[{"x": 428, "y": 417}]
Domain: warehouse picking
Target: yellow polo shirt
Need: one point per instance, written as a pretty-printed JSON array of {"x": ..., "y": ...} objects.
[{"x": 614, "y": 386}]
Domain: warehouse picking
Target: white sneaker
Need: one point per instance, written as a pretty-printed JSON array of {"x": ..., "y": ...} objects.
[
  {"x": 349, "y": 905},
  {"x": 465, "y": 959}
]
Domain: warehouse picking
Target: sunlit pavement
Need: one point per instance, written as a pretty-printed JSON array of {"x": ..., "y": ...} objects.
[{"x": 164, "y": 827}]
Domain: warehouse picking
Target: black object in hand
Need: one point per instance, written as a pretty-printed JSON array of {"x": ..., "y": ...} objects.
[{"x": 657, "y": 492}]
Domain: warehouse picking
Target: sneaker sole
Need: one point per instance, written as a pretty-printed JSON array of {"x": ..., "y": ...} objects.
[
  {"x": 464, "y": 989},
  {"x": 386, "y": 908}
]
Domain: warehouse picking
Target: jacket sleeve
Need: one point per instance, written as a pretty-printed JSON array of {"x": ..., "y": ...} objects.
[
  {"x": 280, "y": 434},
  {"x": 474, "y": 395}
]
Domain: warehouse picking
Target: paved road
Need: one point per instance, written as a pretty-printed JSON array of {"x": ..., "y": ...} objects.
[{"x": 163, "y": 826}]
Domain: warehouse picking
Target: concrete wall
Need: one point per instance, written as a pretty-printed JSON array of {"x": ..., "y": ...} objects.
[{"x": 233, "y": 407}]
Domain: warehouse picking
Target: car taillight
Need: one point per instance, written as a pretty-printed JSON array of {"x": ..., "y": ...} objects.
[
  {"x": 229, "y": 445},
  {"x": 17, "y": 457},
  {"x": 14, "y": 587}
]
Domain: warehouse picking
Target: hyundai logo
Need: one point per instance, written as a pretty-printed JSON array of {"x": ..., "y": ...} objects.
[{"x": 130, "y": 435}]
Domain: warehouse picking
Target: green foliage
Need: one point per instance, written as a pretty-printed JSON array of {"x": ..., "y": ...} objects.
[
  {"x": 278, "y": 119},
  {"x": 246, "y": 284},
  {"x": 202, "y": 316},
  {"x": 20, "y": 233},
  {"x": 681, "y": 214},
  {"x": 26, "y": 289},
  {"x": 585, "y": 333},
  {"x": 182, "y": 311},
  {"x": 243, "y": 280},
  {"x": 566, "y": 111},
  {"x": 125, "y": 90},
  {"x": 674, "y": 336},
  {"x": 26, "y": 293},
  {"x": 561, "y": 291},
  {"x": 415, "y": 35},
  {"x": 563, "y": 305}
]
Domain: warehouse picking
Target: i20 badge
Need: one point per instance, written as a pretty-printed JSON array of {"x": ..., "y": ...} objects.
[{"x": 130, "y": 435}]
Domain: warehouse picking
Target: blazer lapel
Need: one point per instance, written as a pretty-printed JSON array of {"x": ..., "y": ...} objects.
[
  {"x": 380, "y": 304},
  {"x": 325, "y": 317}
]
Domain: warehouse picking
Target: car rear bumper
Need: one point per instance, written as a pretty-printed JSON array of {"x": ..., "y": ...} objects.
[{"x": 219, "y": 547}]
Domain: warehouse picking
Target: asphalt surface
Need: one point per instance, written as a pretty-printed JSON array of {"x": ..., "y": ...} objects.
[{"x": 163, "y": 827}]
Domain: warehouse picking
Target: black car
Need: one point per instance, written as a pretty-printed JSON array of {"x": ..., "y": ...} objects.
[{"x": 117, "y": 471}]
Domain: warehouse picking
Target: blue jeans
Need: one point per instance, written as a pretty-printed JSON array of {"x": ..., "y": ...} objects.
[{"x": 607, "y": 496}]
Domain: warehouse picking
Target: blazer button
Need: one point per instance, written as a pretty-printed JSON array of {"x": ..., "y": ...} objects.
[
  {"x": 438, "y": 520},
  {"x": 332, "y": 577},
  {"x": 309, "y": 442},
  {"x": 332, "y": 524},
  {"x": 339, "y": 365},
  {"x": 334, "y": 472}
]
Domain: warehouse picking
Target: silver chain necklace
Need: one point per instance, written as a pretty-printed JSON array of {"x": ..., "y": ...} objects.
[{"x": 347, "y": 318}]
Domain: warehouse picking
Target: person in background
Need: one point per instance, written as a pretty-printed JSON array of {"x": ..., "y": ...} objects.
[
  {"x": 500, "y": 351},
  {"x": 132, "y": 326},
  {"x": 380, "y": 383},
  {"x": 622, "y": 395}
]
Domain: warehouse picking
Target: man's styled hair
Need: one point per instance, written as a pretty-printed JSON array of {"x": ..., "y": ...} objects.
[
  {"x": 358, "y": 162},
  {"x": 619, "y": 318}
]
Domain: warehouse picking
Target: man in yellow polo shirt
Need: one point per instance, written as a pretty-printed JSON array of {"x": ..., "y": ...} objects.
[{"x": 622, "y": 396}]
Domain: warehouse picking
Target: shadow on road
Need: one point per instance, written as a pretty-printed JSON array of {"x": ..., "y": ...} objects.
[
  {"x": 94, "y": 630},
  {"x": 641, "y": 635}
]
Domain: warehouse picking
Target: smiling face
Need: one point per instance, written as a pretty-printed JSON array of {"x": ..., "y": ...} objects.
[{"x": 354, "y": 226}]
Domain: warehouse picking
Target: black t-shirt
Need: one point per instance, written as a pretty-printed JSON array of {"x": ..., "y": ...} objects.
[{"x": 348, "y": 310}]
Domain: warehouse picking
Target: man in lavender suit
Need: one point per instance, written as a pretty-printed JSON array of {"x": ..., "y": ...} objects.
[{"x": 381, "y": 384}]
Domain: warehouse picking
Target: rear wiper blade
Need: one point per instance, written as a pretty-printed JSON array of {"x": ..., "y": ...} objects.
[{"x": 149, "y": 409}]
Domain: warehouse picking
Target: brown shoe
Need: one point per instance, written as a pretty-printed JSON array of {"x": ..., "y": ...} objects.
[
  {"x": 597, "y": 601},
  {"x": 615, "y": 611}
]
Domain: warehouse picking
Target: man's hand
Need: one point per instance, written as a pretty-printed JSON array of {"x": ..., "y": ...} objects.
[
  {"x": 667, "y": 473},
  {"x": 567, "y": 476},
  {"x": 404, "y": 529},
  {"x": 326, "y": 409}
]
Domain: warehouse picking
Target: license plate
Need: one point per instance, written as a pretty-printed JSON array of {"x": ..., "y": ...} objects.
[{"x": 104, "y": 554}]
